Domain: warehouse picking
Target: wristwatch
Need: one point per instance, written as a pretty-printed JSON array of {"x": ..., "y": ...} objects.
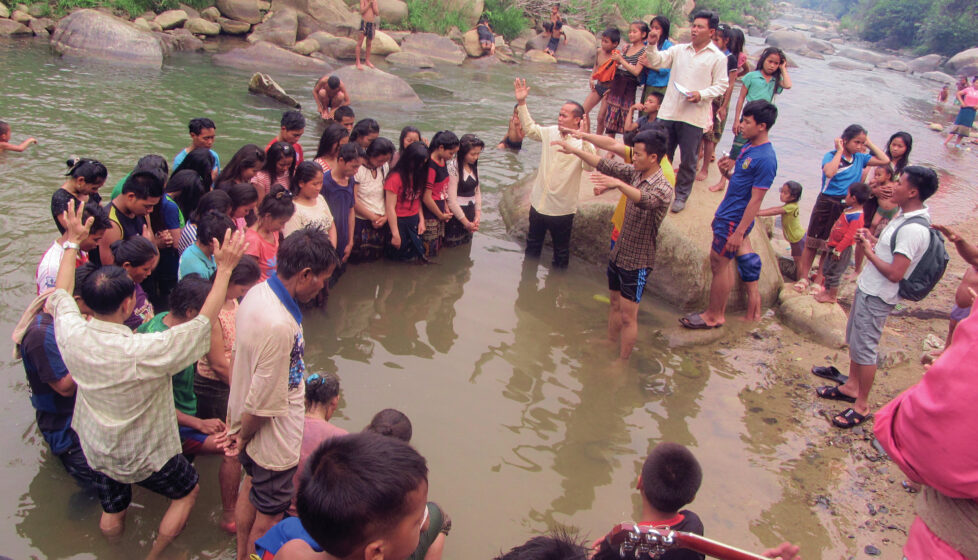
[{"x": 70, "y": 245}]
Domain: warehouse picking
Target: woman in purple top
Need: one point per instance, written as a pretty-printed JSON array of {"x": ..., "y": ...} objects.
[
  {"x": 138, "y": 256},
  {"x": 338, "y": 191}
]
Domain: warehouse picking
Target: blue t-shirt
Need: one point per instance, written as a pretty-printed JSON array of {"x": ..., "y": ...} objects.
[
  {"x": 172, "y": 216},
  {"x": 755, "y": 168},
  {"x": 282, "y": 532},
  {"x": 43, "y": 365},
  {"x": 849, "y": 172},
  {"x": 193, "y": 260},
  {"x": 658, "y": 78},
  {"x": 183, "y": 153}
]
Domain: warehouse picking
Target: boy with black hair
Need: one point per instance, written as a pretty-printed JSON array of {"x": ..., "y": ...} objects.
[
  {"x": 199, "y": 257},
  {"x": 345, "y": 117},
  {"x": 293, "y": 125},
  {"x": 330, "y": 94},
  {"x": 202, "y": 134},
  {"x": 124, "y": 399},
  {"x": 554, "y": 29},
  {"x": 878, "y": 289},
  {"x": 751, "y": 176},
  {"x": 360, "y": 496},
  {"x": 129, "y": 211},
  {"x": 610, "y": 39},
  {"x": 842, "y": 239},
  {"x": 633, "y": 254},
  {"x": 47, "y": 269}
]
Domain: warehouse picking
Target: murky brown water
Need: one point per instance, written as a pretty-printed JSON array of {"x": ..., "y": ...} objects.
[{"x": 522, "y": 422}]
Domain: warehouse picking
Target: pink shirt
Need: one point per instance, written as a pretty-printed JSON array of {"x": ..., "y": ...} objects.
[
  {"x": 265, "y": 252},
  {"x": 970, "y": 96},
  {"x": 930, "y": 429},
  {"x": 315, "y": 432}
]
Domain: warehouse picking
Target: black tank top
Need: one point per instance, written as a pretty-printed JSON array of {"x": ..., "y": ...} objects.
[
  {"x": 130, "y": 227},
  {"x": 467, "y": 186}
]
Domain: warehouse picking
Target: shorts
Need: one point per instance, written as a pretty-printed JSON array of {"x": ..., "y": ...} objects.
[
  {"x": 797, "y": 247},
  {"x": 630, "y": 283},
  {"x": 826, "y": 211},
  {"x": 553, "y": 43},
  {"x": 833, "y": 268},
  {"x": 271, "y": 491},
  {"x": 175, "y": 480},
  {"x": 722, "y": 229},
  {"x": 718, "y": 124},
  {"x": 865, "y": 327},
  {"x": 212, "y": 397},
  {"x": 738, "y": 144},
  {"x": 602, "y": 88},
  {"x": 192, "y": 440},
  {"x": 959, "y": 313},
  {"x": 367, "y": 28}
]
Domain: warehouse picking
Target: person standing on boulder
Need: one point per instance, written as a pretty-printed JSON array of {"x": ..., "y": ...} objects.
[
  {"x": 369, "y": 12},
  {"x": 554, "y": 29},
  {"x": 557, "y": 186},
  {"x": 698, "y": 75},
  {"x": 751, "y": 177}
]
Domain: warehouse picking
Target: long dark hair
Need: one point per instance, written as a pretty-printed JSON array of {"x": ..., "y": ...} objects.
[
  {"x": 736, "y": 40},
  {"x": 276, "y": 153},
  {"x": 304, "y": 173},
  {"x": 137, "y": 251},
  {"x": 248, "y": 157},
  {"x": 330, "y": 139},
  {"x": 191, "y": 189},
  {"x": 404, "y": 132},
  {"x": 777, "y": 73},
  {"x": 201, "y": 161},
  {"x": 663, "y": 22},
  {"x": 465, "y": 145},
  {"x": 905, "y": 160},
  {"x": 277, "y": 203},
  {"x": 412, "y": 168}
]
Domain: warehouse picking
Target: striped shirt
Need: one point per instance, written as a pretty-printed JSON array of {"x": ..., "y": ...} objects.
[{"x": 635, "y": 248}]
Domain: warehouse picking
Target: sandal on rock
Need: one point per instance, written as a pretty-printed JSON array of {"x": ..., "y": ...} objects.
[
  {"x": 833, "y": 393},
  {"x": 850, "y": 419},
  {"x": 695, "y": 321},
  {"x": 830, "y": 373},
  {"x": 802, "y": 285}
]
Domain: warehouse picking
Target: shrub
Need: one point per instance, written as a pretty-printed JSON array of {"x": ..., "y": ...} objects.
[
  {"x": 433, "y": 16},
  {"x": 506, "y": 18}
]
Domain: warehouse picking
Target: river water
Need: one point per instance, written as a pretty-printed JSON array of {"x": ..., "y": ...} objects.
[{"x": 523, "y": 425}]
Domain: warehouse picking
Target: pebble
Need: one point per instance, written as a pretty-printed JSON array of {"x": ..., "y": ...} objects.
[
  {"x": 871, "y": 508},
  {"x": 883, "y": 509},
  {"x": 872, "y": 550}
]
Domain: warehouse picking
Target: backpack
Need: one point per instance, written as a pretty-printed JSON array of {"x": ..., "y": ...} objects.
[{"x": 930, "y": 269}]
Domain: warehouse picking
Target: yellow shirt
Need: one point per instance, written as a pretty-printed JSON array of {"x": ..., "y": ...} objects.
[
  {"x": 618, "y": 218},
  {"x": 557, "y": 186}
]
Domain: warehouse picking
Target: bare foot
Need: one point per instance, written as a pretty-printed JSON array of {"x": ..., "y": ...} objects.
[
  {"x": 228, "y": 525},
  {"x": 370, "y": 64},
  {"x": 824, "y": 297},
  {"x": 718, "y": 187},
  {"x": 703, "y": 174},
  {"x": 359, "y": 66}
]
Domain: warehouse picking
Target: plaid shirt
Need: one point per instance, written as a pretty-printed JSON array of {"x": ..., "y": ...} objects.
[
  {"x": 635, "y": 248},
  {"x": 124, "y": 411}
]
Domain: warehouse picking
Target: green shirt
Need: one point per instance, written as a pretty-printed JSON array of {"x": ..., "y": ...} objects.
[
  {"x": 791, "y": 223},
  {"x": 183, "y": 382},
  {"x": 758, "y": 87}
]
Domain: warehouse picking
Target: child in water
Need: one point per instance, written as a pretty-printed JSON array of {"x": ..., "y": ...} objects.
[
  {"x": 514, "y": 134},
  {"x": 794, "y": 232},
  {"x": 274, "y": 211},
  {"x": 6, "y": 146}
]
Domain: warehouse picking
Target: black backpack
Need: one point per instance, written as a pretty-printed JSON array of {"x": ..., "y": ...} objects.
[{"x": 930, "y": 269}]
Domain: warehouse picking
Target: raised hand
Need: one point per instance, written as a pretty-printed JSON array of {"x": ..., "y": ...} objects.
[
  {"x": 948, "y": 233},
  {"x": 521, "y": 90},
  {"x": 839, "y": 144},
  {"x": 77, "y": 231},
  {"x": 228, "y": 254}
]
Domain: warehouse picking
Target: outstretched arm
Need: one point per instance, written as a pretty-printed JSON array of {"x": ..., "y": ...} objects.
[
  {"x": 17, "y": 147},
  {"x": 967, "y": 251},
  {"x": 589, "y": 158},
  {"x": 599, "y": 141}
]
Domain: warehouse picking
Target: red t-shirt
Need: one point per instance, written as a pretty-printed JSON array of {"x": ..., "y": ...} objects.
[
  {"x": 438, "y": 180},
  {"x": 403, "y": 207},
  {"x": 265, "y": 252},
  {"x": 296, "y": 146}
]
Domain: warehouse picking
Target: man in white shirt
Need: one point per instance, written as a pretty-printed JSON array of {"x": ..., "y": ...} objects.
[
  {"x": 698, "y": 75},
  {"x": 553, "y": 199},
  {"x": 878, "y": 287}
]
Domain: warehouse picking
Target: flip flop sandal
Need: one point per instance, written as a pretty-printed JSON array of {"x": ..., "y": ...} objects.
[
  {"x": 830, "y": 373},
  {"x": 694, "y": 321},
  {"x": 852, "y": 419},
  {"x": 832, "y": 393}
]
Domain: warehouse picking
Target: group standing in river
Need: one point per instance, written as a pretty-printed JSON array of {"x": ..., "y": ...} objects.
[{"x": 168, "y": 322}]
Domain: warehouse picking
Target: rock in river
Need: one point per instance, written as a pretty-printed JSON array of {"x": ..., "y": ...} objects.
[
  {"x": 91, "y": 34},
  {"x": 441, "y": 50},
  {"x": 374, "y": 86},
  {"x": 263, "y": 84},
  {"x": 266, "y": 57},
  {"x": 240, "y": 10},
  {"x": 965, "y": 62},
  {"x": 926, "y": 63},
  {"x": 580, "y": 48},
  {"x": 787, "y": 40}
]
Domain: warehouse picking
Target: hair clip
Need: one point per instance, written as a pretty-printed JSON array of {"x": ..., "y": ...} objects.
[
  {"x": 313, "y": 377},
  {"x": 283, "y": 194}
]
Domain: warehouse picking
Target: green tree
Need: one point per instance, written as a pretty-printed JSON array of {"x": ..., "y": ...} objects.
[
  {"x": 893, "y": 23},
  {"x": 950, "y": 27}
]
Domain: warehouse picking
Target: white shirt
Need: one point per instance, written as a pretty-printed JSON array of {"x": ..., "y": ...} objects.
[
  {"x": 911, "y": 243},
  {"x": 557, "y": 186},
  {"x": 124, "y": 412},
  {"x": 47, "y": 269},
  {"x": 704, "y": 71},
  {"x": 370, "y": 189}
]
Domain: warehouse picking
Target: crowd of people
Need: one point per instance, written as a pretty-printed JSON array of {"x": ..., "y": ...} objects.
[{"x": 168, "y": 319}]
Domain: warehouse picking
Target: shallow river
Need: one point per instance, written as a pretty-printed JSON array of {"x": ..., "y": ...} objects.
[{"x": 522, "y": 423}]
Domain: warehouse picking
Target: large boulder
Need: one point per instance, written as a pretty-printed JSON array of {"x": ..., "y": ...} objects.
[
  {"x": 964, "y": 62},
  {"x": 21, "y": 16},
  {"x": 92, "y": 34},
  {"x": 440, "y": 49},
  {"x": 240, "y": 10},
  {"x": 681, "y": 275},
  {"x": 4, "y": 10},
  {"x": 824, "y": 323},
  {"x": 306, "y": 46},
  {"x": 11, "y": 28},
  {"x": 787, "y": 39},
  {"x": 849, "y": 65},
  {"x": 471, "y": 44},
  {"x": 280, "y": 29},
  {"x": 263, "y": 84},
  {"x": 819, "y": 46},
  {"x": 181, "y": 40},
  {"x": 382, "y": 45},
  {"x": 333, "y": 12},
  {"x": 374, "y": 86},
  {"x": 471, "y": 9},
  {"x": 926, "y": 63},
  {"x": 580, "y": 48},
  {"x": 200, "y": 26},
  {"x": 393, "y": 11},
  {"x": 211, "y": 13},
  {"x": 895, "y": 65},
  {"x": 266, "y": 57},
  {"x": 863, "y": 55},
  {"x": 171, "y": 18},
  {"x": 939, "y": 77},
  {"x": 539, "y": 57},
  {"x": 342, "y": 48},
  {"x": 410, "y": 60},
  {"x": 233, "y": 26}
]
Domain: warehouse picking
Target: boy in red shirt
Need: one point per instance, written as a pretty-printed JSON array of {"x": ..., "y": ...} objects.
[{"x": 841, "y": 240}]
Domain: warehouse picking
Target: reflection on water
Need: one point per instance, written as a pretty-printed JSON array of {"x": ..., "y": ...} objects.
[{"x": 494, "y": 359}]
